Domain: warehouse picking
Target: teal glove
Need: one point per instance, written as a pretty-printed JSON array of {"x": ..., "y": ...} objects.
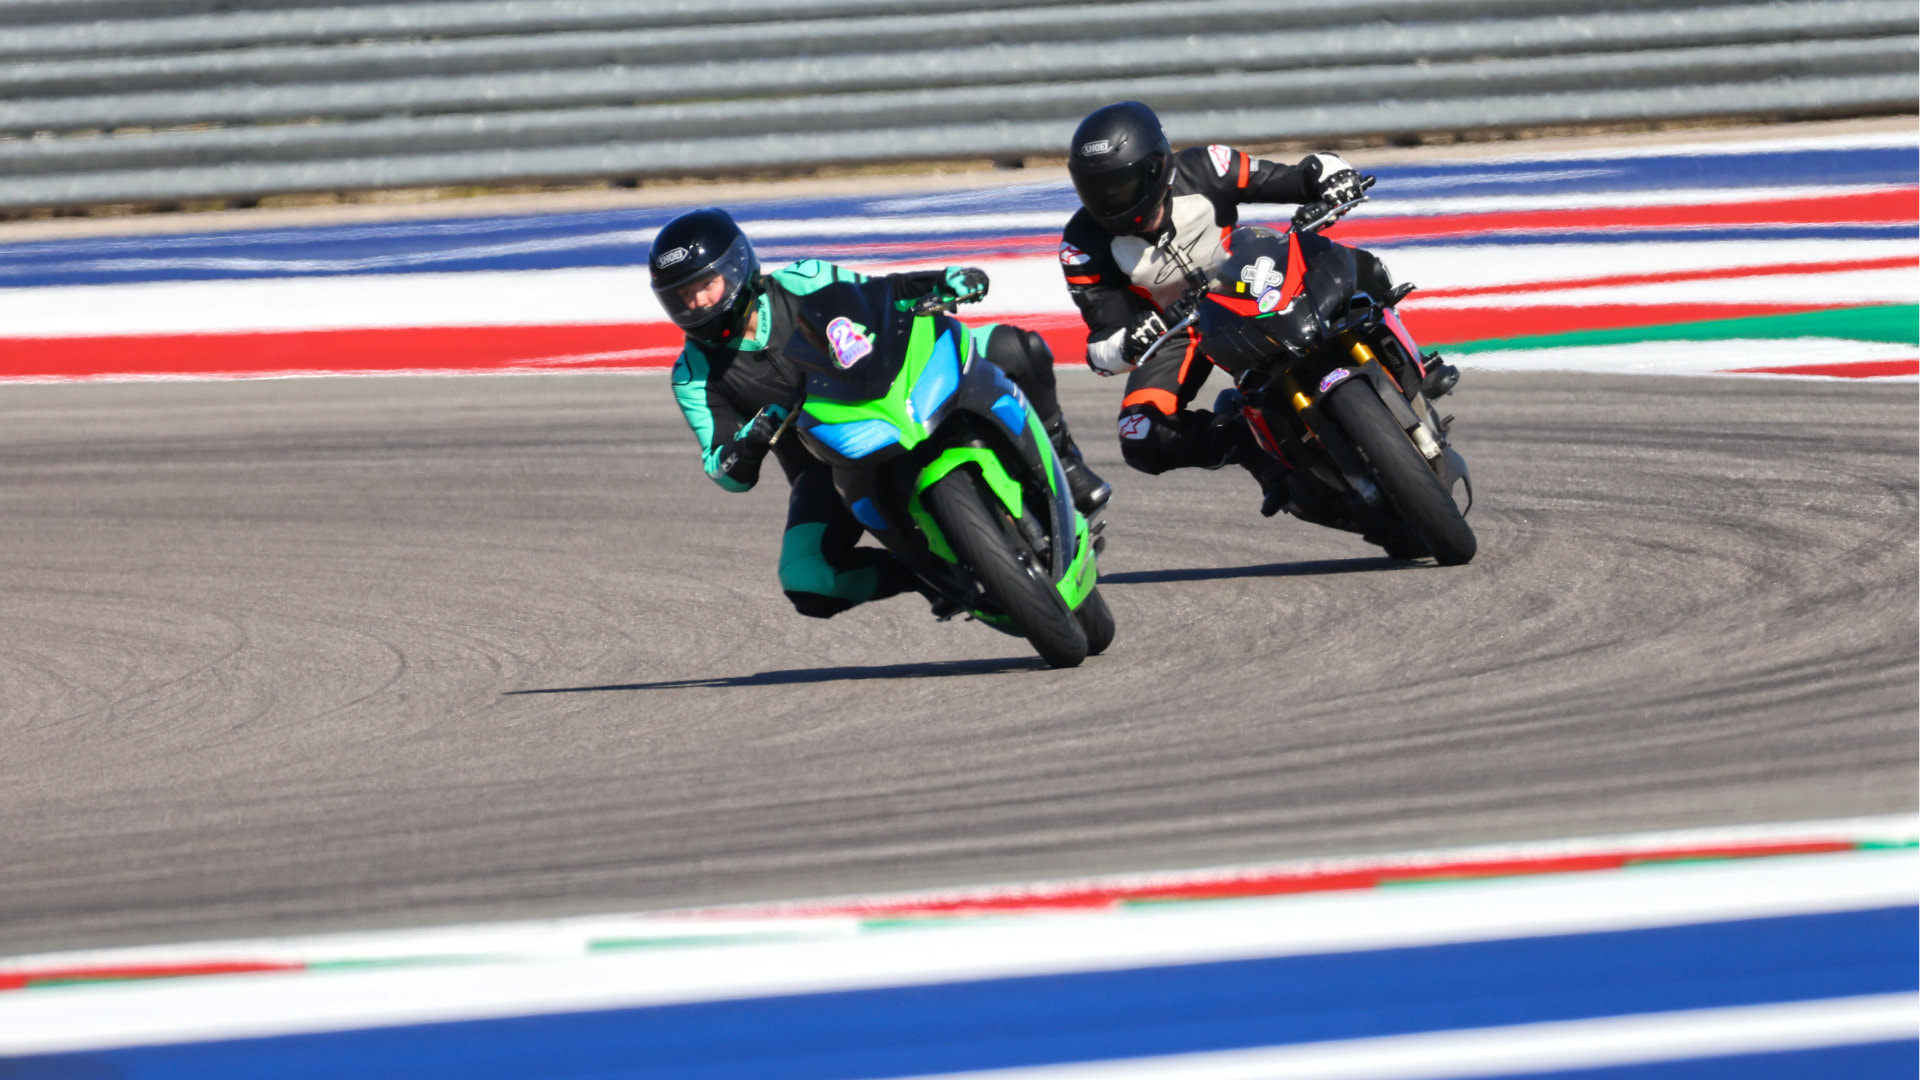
[{"x": 966, "y": 284}]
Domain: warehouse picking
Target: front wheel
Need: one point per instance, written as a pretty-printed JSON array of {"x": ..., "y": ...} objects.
[
  {"x": 1097, "y": 620},
  {"x": 987, "y": 543},
  {"x": 1416, "y": 493}
]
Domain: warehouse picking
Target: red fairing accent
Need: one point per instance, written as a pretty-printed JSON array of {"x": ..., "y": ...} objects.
[
  {"x": 1247, "y": 308},
  {"x": 1257, "y": 423},
  {"x": 1406, "y": 340},
  {"x": 1296, "y": 270}
]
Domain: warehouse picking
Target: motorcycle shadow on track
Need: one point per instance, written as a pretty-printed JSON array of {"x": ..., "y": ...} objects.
[
  {"x": 802, "y": 676},
  {"x": 1308, "y": 568}
]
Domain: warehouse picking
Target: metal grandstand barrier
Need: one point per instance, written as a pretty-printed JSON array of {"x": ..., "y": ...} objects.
[{"x": 107, "y": 101}]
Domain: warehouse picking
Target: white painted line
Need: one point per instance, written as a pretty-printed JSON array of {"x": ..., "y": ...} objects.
[
  {"x": 1843, "y": 289},
  {"x": 1862, "y": 141},
  {"x": 1684, "y": 357},
  {"x": 1528, "y": 1048},
  {"x": 556, "y": 938},
  {"x": 80, "y": 1017}
]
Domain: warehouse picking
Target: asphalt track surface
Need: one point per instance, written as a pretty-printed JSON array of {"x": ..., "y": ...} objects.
[{"x": 312, "y": 654}]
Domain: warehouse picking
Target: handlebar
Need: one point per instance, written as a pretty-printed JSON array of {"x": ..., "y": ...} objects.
[
  {"x": 1313, "y": 217},
  {"x": 1191, "y": 302},
  {"x": 1309, "y": 219}
]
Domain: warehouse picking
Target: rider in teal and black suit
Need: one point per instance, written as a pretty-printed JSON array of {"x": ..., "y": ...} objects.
[{"x": 736, "y": 387}]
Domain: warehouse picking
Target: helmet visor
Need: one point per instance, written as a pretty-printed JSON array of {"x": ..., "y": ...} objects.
[
  {"x": 704, "y": 293},
  {"x": 1123, "y": 198}
]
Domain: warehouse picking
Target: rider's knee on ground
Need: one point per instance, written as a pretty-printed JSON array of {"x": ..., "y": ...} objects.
[
  {"x": 816, "y": 586},
  {"x": 815, "y": 606},
  {"x": 1153, "y": 442}
]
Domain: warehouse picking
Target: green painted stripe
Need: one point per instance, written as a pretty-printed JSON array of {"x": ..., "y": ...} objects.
[
  {"x": 1894, "y": 323},
  {"x": 702, "y": 940}
]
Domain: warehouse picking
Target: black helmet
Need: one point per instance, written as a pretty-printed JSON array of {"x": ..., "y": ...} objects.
[
  {"x": 692, "y": 248},
  {"x": 1121, "y": 165}
]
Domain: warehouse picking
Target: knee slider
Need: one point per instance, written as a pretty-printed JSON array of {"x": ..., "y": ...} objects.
[
  {"x": 1145, "y": 438},
  {"x": 815, "y": 606}
]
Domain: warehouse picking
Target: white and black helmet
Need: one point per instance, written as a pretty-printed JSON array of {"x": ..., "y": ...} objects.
[{"x": 692, "y": 248}]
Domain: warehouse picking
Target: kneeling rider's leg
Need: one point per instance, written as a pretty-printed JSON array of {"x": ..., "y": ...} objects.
[
  {"x": 821, "y": 569},
  {"x": 1157, "y": 430},
  {"x": 1024, "y": 356}
]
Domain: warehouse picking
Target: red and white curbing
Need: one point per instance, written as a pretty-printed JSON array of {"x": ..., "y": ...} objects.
[{"x": 828, "y": 920}]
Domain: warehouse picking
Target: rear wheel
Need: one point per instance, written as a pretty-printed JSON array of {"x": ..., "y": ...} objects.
[
  {"x": 1410, "y": 483},
  {"x": 988, "y": 543},
  {"x": 1096, "y": 619}
]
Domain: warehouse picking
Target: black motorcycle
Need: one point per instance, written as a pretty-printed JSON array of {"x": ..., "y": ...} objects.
[{"x": 1333, "y": 387}]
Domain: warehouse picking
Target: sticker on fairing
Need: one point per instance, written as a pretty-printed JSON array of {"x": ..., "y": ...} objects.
[
  {"x": 849, "y": 341},
  {"x": 1135, "y": 427},
  {"x": 1334, "y": 378},
  {"x": 1222, "y": 158},
  {"x": 1269, "y": 300},
  {"x": 1073, "y": 256},
  {"x": 1262, "y": 275}
]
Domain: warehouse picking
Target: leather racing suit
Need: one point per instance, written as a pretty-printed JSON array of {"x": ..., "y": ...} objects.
[{"x": 1123, "y": 284}]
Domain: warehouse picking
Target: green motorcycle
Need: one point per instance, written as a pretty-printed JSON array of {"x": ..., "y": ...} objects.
[{"x": 939, "y": 455}]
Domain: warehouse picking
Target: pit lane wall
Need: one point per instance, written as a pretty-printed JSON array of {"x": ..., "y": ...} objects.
[
  {"x": 1771, "y": 254},
  {"x": 111, "y": 101},
  {"x": 1784, "y": 950}
]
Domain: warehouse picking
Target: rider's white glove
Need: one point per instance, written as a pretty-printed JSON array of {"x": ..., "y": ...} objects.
[
  {"x": 1332, "y": 179},
  {"x": 1109, "y": 357}
]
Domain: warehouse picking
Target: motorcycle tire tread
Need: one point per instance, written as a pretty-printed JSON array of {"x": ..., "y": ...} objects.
[
  {"x": 1416, "y": 493},
  {"x": 972, "y": 526}
]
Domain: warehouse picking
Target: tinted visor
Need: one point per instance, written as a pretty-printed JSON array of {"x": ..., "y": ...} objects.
[
  {"x": 1117, "y": 197},
  {"x": 1114, "y": 192},
  {"x": 703, "y": 293}
]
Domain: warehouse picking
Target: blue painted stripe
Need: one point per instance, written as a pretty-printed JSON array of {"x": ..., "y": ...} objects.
[
  {"x": 1664, "y": 172},
  {"x": 619, "y": 237},
  {"x": 1001, "y": 1023},
  {"x": 1658, "y": 236},
  {"x": 1870, "y": 1061}
]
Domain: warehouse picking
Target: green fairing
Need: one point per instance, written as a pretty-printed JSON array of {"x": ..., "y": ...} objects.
[
  {"x": 1081, "y": 573},
  {"x": 1004, "y": 487},
  {"x": 893, "y": 407},
  {"x": 804, "y": 570}
]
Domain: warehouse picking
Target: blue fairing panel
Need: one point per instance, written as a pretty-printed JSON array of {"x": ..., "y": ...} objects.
[
  {"x": 938, "y": 381},
  {"x": 856, "y": 438},
  {"x": 865, "y": 512},
  {"x": 1012, "y": 412}
]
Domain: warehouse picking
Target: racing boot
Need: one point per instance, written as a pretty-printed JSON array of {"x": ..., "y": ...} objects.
[{"x": 1090, "y": 493}]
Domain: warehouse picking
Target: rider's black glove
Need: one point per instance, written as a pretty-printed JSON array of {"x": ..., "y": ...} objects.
[
  {"x": 1146, "y": 330},
  {"x": 1341, "y": 187},
  {"x": 743, "y": 453},
  {"x": 759, "y": 432}
]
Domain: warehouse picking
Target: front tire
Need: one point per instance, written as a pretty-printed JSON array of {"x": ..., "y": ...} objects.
[
  {"x": 1410, "y": 483},
  {"x": 1097, "y": 620},
  {"x": 981, "y": 535}
]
